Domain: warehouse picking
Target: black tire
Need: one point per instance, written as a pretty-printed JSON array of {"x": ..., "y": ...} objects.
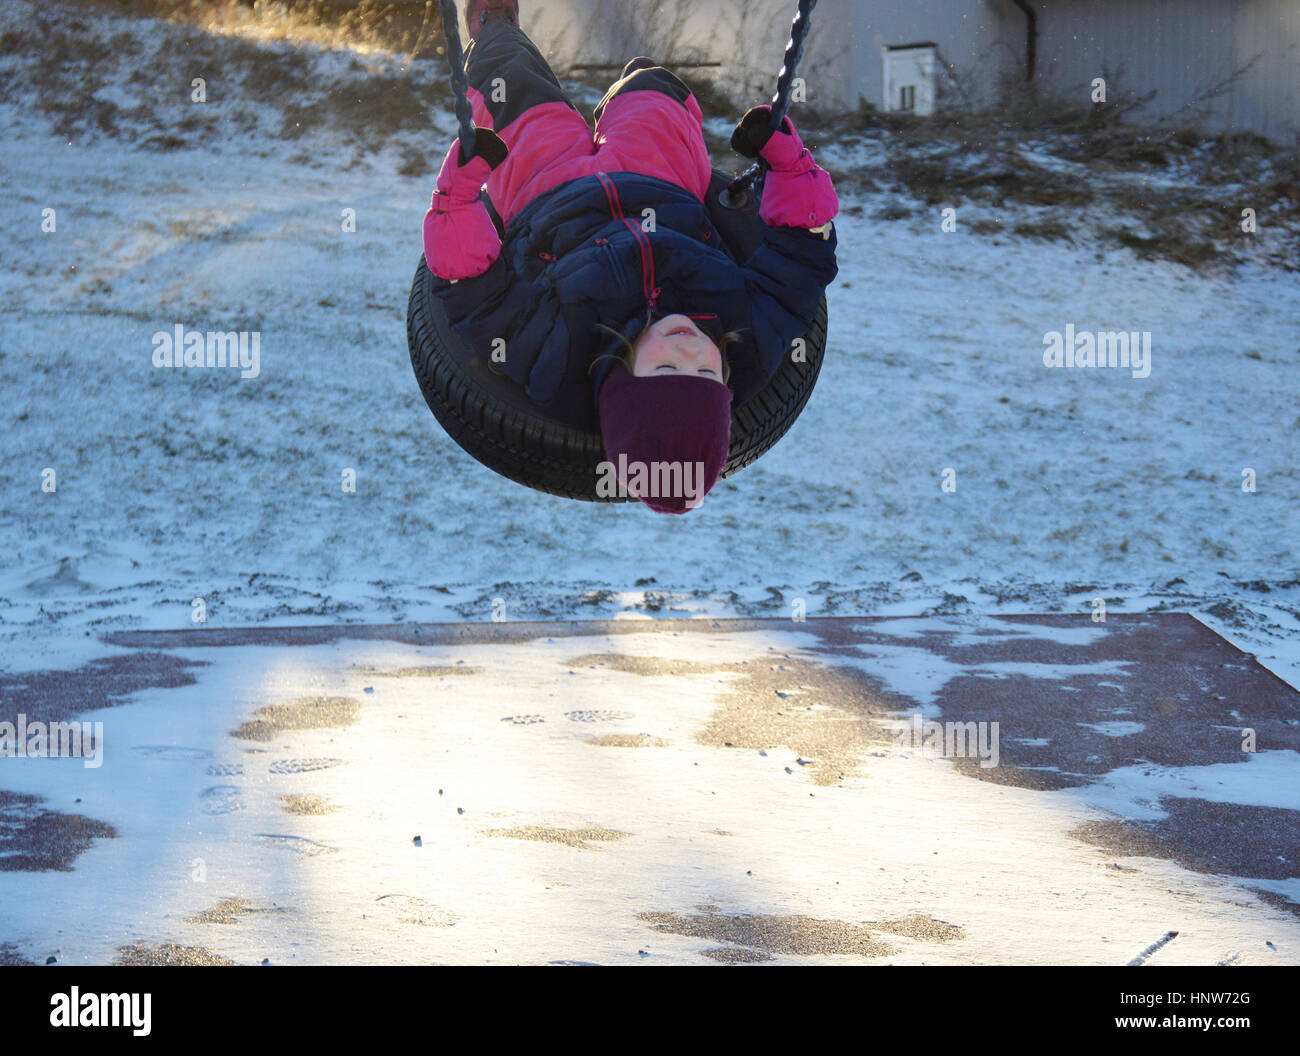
[{"x": 489, "y": 416}]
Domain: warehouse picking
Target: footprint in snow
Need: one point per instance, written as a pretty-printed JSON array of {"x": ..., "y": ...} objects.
[
  {"x": 302, "y": 766},
  {"x": 298, "y": 844},
  {"x": 598, "y": 716},
  {"x": 171, "y": 751},
  {"x": 220, "y": 799},
  {"x": 411, "y": 910}
]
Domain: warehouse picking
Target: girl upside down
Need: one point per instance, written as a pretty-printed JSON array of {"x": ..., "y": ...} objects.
[{"x": 614, "y": 295}]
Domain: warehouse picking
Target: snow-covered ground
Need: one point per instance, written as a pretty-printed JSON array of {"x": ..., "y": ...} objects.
[
  {"x": 173, "y": 485},
  {"x": 647, "y": 797}
]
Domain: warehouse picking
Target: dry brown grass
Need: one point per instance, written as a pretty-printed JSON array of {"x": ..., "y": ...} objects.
[
  {"x": 413, "y": 29},
  {"x": 257, "y": 86},
  {"x": 1046, "y": 230},
  {"x": 1179, "y": 190},
  {"x": 955, "y": 176}
]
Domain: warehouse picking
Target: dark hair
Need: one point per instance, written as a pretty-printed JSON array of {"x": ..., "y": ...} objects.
[{"x": 628, "y": 358}]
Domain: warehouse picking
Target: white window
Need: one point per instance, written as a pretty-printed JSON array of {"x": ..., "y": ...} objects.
[{"x": 909, "y": 77}]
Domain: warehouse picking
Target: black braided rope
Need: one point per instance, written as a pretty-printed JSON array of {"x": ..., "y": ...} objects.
[
  {"x": 459, "y": 84},
  {"x": 781, "y": 99}
]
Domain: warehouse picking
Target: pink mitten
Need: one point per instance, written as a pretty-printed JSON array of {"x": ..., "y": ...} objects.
[
  {"x": 797, "y": 192},
  {"x": 460, "y": 240}
]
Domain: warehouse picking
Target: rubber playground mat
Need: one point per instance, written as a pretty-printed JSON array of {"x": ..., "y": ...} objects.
[{"x": 1003, "y": 789}]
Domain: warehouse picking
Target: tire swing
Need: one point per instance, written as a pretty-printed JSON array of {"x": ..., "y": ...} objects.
[{"x": 492, "y": 420}]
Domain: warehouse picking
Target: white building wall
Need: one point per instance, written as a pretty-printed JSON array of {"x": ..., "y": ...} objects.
[
  {"x": 1181, "y": 48},
  {"x": 1267, "y": 97},
  {"x": 1187, "y": 51},
  {"x": 843, "y": 58},
  {"x": 979, "y": 41}
]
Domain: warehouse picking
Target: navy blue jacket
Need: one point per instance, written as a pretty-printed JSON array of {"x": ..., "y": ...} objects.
[{"x": 580, "y": 255}]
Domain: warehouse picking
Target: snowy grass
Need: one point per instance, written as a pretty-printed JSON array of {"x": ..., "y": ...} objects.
[{"x": 176, "y": 485}]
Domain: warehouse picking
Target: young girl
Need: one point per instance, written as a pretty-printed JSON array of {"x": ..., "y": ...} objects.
[{"x": 612, "y": 291}]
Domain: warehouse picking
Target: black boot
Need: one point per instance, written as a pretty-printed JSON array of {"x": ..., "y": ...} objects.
[{"x": 477, "y": 12}]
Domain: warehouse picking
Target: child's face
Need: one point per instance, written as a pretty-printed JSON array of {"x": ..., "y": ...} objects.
[{"x": 675, "y": 345}]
